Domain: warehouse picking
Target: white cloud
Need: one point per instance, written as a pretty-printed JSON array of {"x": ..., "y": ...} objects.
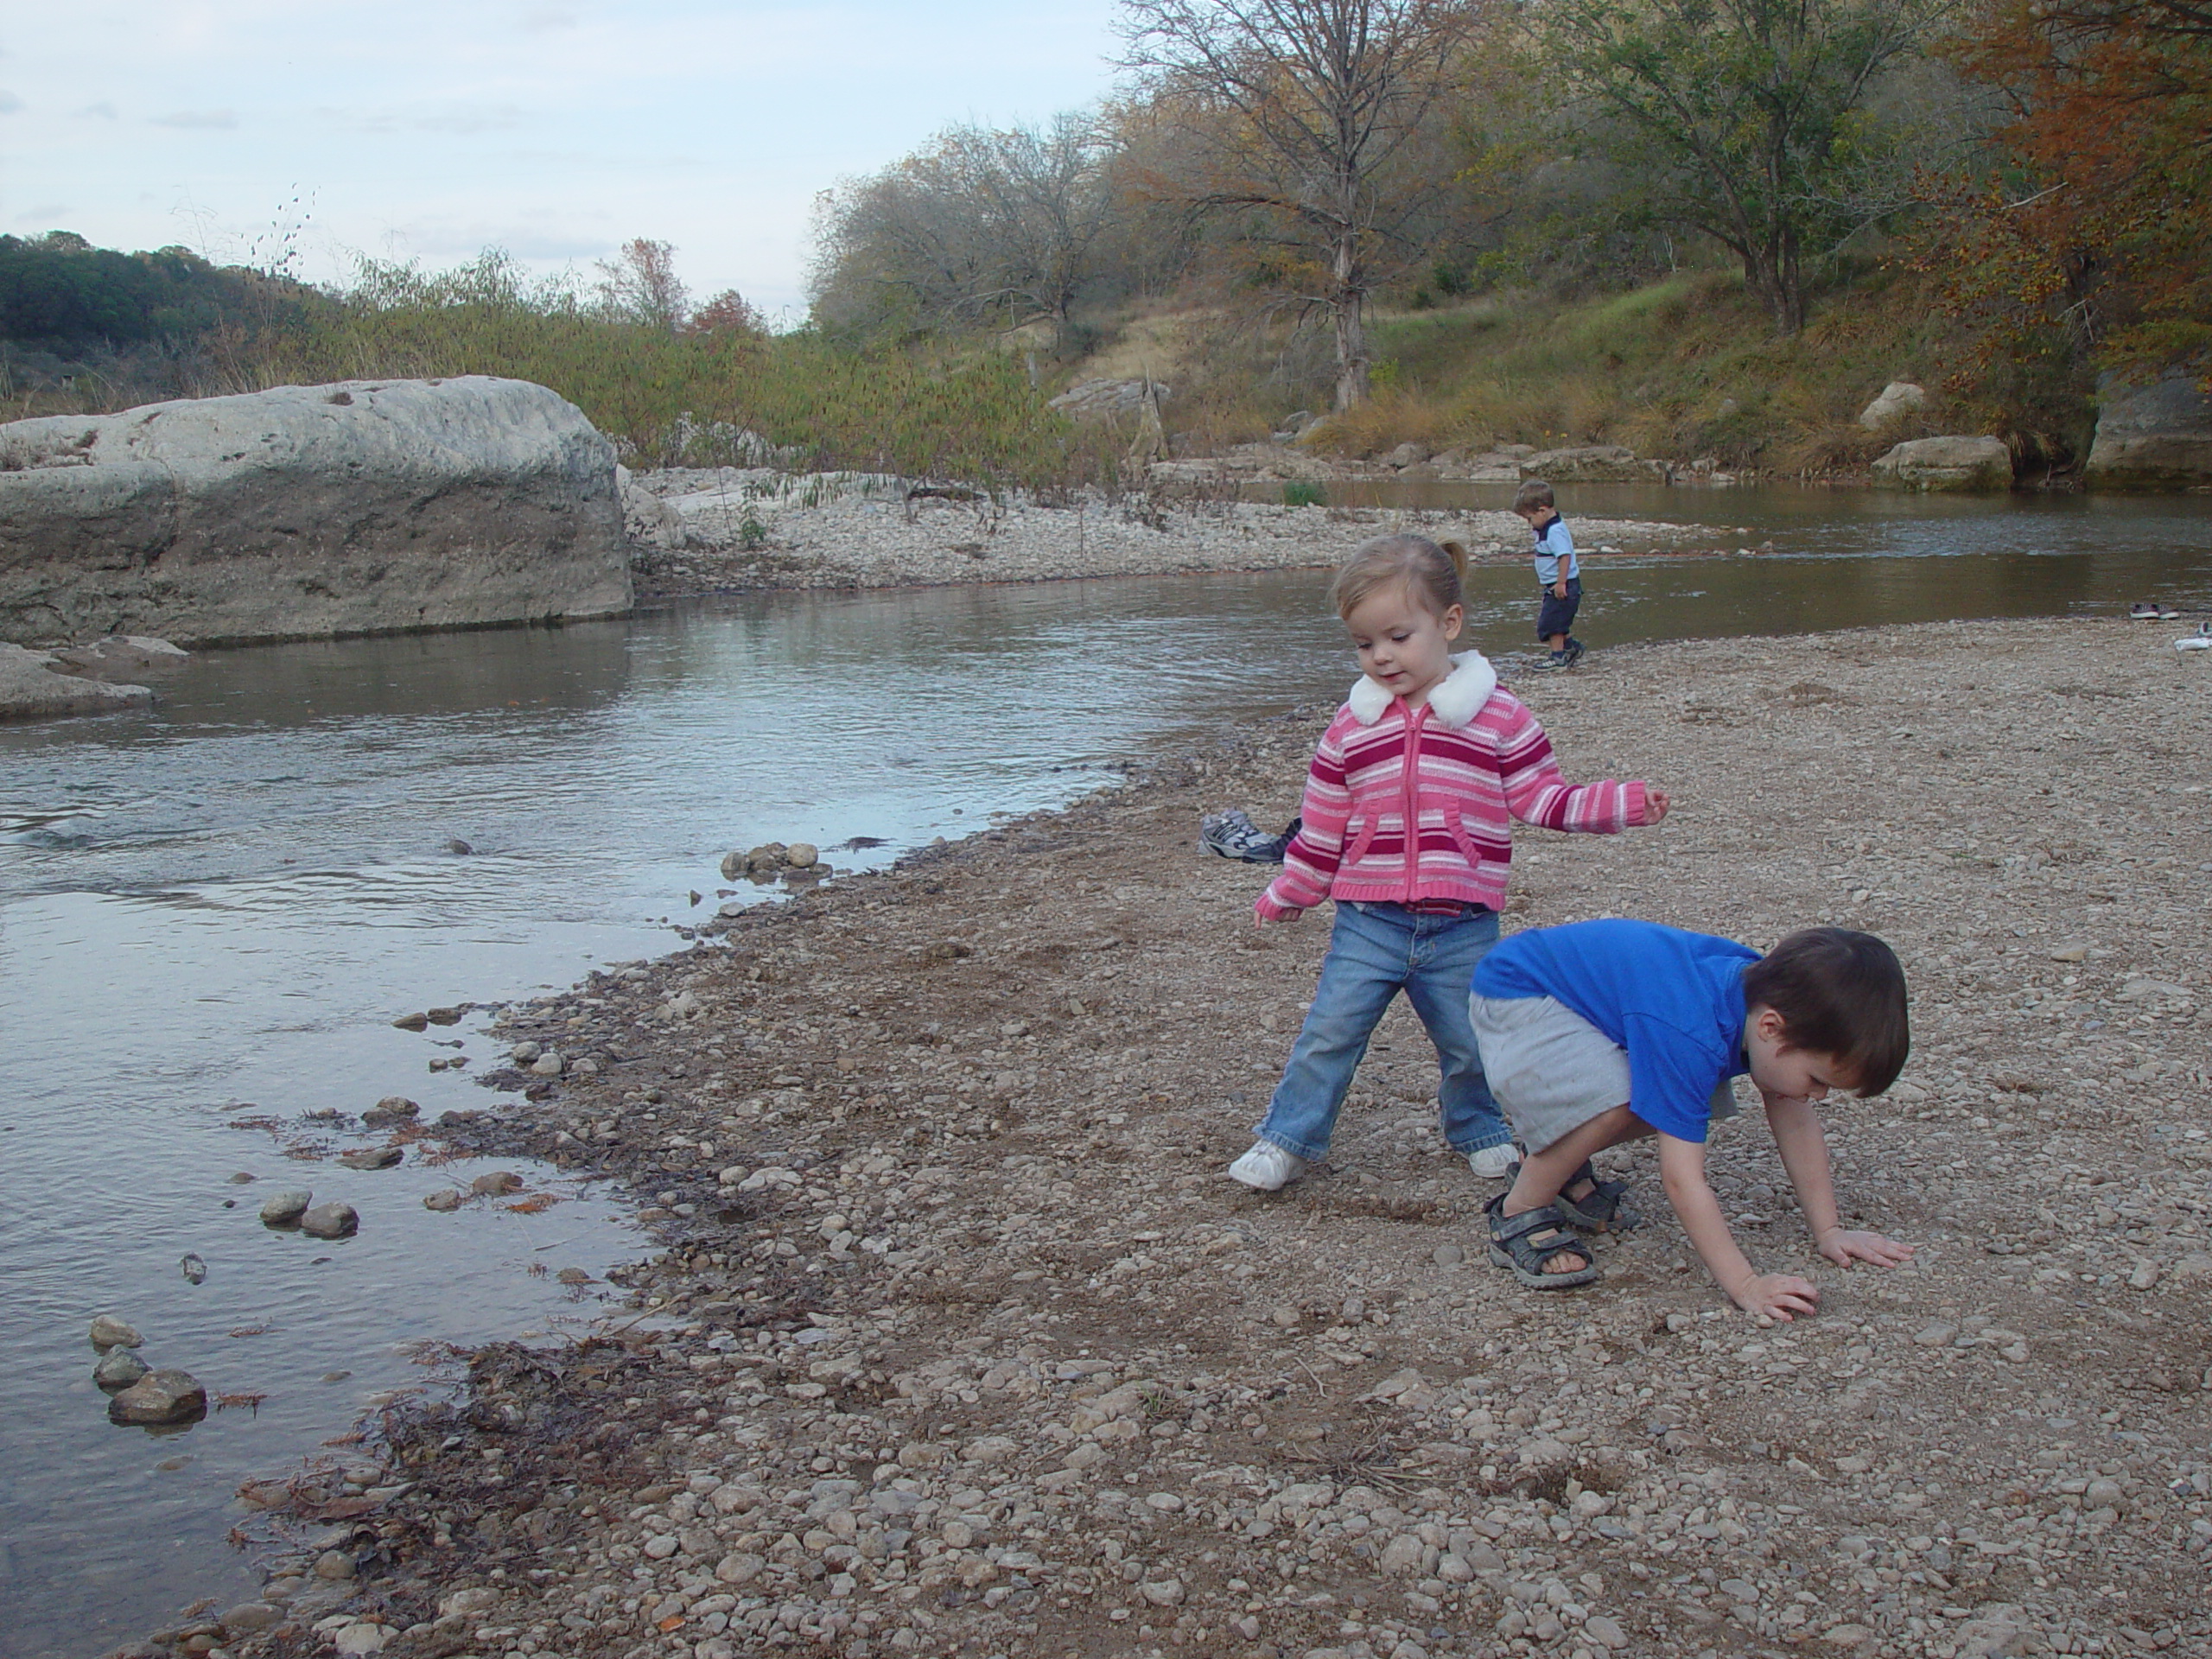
[{"x": 199, "y": 120}]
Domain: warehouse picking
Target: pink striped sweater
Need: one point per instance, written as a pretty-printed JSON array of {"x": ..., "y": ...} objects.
[{"x": 1452, "y": 770}]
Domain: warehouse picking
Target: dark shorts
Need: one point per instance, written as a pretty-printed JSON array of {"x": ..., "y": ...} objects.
[{"x": 1557, "y": 614}]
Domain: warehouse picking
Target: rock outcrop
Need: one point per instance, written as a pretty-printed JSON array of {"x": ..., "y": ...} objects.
[
  {"x": 2156, "y": 436},
  {"x": 308, "y": 512},
  {"x": 1897, "y": 399},
  {"x": 1959, "y": 464},
  {"x": 1593, "y": 463},
  {"x": 1099, "y": 400}
]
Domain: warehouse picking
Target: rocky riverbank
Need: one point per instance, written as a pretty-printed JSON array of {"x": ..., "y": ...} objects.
[
  {"x": 959, "y": 1343},
  {"x": 716, "y": 531}
]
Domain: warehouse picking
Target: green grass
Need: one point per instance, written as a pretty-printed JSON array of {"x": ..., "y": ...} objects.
[
  {"x": 942, "y": 412},
  {"x": 1689, "y": 367}
]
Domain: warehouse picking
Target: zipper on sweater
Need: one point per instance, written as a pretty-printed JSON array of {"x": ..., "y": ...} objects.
[{"x": 1408, "y": 794}]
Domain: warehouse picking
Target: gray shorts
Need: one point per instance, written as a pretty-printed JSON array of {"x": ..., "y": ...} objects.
[{"x": 1552, "y": 1071}]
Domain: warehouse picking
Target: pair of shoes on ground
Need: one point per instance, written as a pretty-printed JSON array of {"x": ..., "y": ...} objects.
[
  {"x": 1267, "y": 1168},
  {"x": 2149, "y": 610},
  {"x": 1529, "y": 1243},
  {"x": 1233, "y": 835}
]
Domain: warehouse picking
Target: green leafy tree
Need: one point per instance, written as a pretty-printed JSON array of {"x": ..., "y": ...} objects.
[{"x": 1749, "y": 118}]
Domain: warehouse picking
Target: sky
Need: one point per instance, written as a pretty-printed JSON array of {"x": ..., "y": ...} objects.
[{"x": 321, "y": 131}]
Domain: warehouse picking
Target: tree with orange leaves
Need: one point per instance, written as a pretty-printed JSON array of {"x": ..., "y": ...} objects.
[{"x": 2101, "y": 222}]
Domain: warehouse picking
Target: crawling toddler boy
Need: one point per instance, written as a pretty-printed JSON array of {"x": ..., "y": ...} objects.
[{"x": 1598, "y": 1033}]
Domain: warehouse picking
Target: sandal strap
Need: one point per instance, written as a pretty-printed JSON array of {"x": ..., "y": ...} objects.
[{"x": 1504, "y": 1229}]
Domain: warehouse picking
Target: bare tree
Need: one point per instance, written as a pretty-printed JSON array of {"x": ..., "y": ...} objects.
[
  {"x": 640, "y": 285},
  {"x": 1309, "y": 116},
  {"x": 983, "y": 226}
]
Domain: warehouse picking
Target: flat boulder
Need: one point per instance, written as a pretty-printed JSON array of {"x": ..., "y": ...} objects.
[
  {"x": 310, "y": 511},
  {"x": 1592, "y": 463},
  {"x": 1960, "y": 464},
  {"x": 1101, "y": 400},
  {"x": 2152, "y": 437},
  {"x": 36, "y": 685}
]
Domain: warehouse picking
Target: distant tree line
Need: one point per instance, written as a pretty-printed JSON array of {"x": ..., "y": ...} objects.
[{"x": 1311, "y": 159}]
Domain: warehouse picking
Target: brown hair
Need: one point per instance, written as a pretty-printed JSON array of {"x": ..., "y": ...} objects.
[
  {"x": 1431, "y": 570},
  {"x": 1532, "y": 493},
  {"x": 1839, "y": 993}
]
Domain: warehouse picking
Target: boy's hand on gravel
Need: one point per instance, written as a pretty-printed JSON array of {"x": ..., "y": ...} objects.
[
  {"x": 1779, "y": 1296},
  {"x": 1843, "y": 1247}
]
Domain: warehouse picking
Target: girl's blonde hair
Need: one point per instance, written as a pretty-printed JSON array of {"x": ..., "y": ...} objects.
[{"x": 1432, "y": 571}]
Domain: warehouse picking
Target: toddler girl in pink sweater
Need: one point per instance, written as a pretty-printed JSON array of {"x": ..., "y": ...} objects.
[{"x": 1407, "y": 827}]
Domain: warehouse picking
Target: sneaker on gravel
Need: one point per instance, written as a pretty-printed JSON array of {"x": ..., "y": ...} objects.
[
  {"x": 1267, "y": 1167},
  {"x": 1556, "y": 659},
  {"x": 1495, "y": 1163},
  {"x": 1575, "y": 652},
  {"x": 1233, "y": 835}
]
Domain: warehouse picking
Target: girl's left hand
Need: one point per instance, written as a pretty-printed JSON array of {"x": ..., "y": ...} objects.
[
  {"x": 1654, "y": 805},
  {"x": 1843, "y": 1247}
]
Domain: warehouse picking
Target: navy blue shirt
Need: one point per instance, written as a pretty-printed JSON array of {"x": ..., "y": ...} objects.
[{"x": 1674, "y": 999}]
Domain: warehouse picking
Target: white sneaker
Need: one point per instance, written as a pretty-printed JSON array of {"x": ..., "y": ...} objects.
[
  {"x": 1494, "y": 1163},
  {"x": 1267, "y": 1167}
]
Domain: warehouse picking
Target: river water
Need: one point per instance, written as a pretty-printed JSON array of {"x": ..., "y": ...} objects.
[{"x": 210, "y": 915}]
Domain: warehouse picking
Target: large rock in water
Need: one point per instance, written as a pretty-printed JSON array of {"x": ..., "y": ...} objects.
[
  {"x": 1958, "y": 463},
  {"x": 34, "y": 685},
  {"x": 2158, "y": 436},
  {"x": 310, "y": 511}
]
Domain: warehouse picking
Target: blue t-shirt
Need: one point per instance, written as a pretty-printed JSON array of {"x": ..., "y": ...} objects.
[
  {"x": 1675, "y": 1000},
  {"x": 1555, "y": 553}
]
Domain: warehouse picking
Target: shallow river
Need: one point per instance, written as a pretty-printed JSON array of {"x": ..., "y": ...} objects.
[{"x": 209, "y": 916}]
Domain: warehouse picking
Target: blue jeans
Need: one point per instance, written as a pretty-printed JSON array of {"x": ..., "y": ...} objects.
[{"x": 1374, "y": 952}]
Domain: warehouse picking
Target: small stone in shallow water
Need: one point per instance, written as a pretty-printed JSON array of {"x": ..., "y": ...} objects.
[
  {"x": 371, "y": 1157},
  {"x": 391, "y": 1107},
  {"x": 444, "y": 1199},
  {"x": 573, "y": 1276},
  {"x": 165, "y": 1396},
  {"x": 108, "y": 1331},
  {"x": 282, "y": 1209},
  {"x": 504, "y": 1180},
  {"x": 412, "y": 1022},
  {"x": 333, "y": 1564},
  {"x": 525, "y": 1053},
  {"x": 119, "y": 1369},
  {"x": 242, "y": 1178},
  {"x": 446, "y": 1016},
  {"x": 547, "y": 1064},
  {"x": 331, "y": 1221}
]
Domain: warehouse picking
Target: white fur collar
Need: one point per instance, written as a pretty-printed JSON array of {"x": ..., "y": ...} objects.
[{"x": 1457, "y": 702}]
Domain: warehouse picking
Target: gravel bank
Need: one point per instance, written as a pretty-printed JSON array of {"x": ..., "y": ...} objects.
[
  {"x": 735, "y": 529},
  {"x": 961, "y": 1344}
]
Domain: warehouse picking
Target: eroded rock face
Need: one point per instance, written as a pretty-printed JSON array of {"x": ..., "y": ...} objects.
[
  {"x": 1947, "y": 464},
  {"x": 310, "y": 511},
  {"x": 2158, "y": 436},
  {"x": 1592, "y": 463}
]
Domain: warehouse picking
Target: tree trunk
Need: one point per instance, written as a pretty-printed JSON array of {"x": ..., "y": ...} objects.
[{"x": 1348, "y": 304}]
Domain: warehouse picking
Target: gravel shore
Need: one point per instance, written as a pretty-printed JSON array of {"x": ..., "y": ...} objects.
[
  {"x": 714, "y": 531},
  {"x": 961, "y": 1344}
]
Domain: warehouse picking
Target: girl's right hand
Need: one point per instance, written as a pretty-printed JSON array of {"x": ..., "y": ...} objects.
[
  {"x": 1779, "y": 1296},
  {"x": 1656, "y": 803}
]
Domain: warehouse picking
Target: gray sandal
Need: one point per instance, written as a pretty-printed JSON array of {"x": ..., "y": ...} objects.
[{"x": 1514, "y": 1243}]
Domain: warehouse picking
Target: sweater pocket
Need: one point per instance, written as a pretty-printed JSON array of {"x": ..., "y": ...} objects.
[
  {"x": 1358, "y": 833},
  {"x": 1456, "y": 822}
]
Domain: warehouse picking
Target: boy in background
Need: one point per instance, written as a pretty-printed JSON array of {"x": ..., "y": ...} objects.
[{"x": 1558, "y": 573}]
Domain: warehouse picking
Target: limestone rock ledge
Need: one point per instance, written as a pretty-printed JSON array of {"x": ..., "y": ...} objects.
[
  {"x": 309, "y": 511},
  {"x": 2154, "y": 436},
  {"x": 36, "y": 685}
]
